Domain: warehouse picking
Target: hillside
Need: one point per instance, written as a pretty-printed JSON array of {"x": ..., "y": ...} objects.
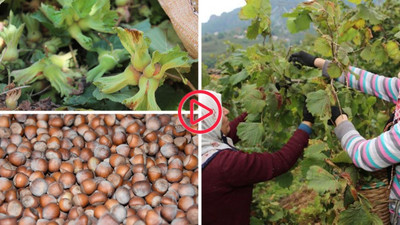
[
  {"x": 228, "y": 27},
  {"x": 230, "y": 20}
]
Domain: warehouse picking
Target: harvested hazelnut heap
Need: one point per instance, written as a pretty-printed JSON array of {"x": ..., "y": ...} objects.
[{"x": 97, "y": 169}]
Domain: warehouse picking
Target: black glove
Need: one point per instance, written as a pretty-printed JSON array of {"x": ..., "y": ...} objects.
[
  {"x": 302, "y": 58},
  {"x": 335, "y": 114},
  {"x": 307, "y": 116}
]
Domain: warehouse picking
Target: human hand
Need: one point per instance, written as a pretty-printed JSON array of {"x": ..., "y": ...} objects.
[
  {"x": 337, "y": 117},
  {"x": 302, "y": 58},
  {"x": 307, "y": 116}
]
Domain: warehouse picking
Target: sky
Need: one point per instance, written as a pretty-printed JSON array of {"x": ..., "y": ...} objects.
[{"x": 217, "y": 7}]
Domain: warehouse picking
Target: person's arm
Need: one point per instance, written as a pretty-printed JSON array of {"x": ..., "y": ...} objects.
[
  {"x": 373, "y": 154},
  {"x": 233, "y": 127},
  {"x": 241, "y": 169},
  {"x": 386, "y": 88}
]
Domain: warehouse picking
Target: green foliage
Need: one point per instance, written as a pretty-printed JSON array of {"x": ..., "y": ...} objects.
[
  {"x": 321, "y": 188},
  {"x": 321, "y": 180},
  {"x": 252, "y": 133},
  {"x": 358, "y": 214},
  {"x": 258, "y": 11},
  {"x": 318, "y": 103},
  {"x": 144, "y": 70},
  {"x": 35, "y": 39},
  {"x": 78, "y": 16}
]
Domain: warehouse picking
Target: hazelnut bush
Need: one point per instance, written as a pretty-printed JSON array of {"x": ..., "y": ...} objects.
[{"x": 97, "y": 169}]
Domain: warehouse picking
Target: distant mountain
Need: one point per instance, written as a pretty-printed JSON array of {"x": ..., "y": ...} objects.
[
  {"x": 224, "y": 22},
  {"x": 229, "y": 21}
]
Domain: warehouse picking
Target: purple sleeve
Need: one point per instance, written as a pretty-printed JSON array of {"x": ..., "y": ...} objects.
[
  {"x": 233, "y": 127},
  {"x": 241, "y": 169}
]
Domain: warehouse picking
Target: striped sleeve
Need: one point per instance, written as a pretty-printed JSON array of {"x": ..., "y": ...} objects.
[
  {"x": 386, "y": 88},
  {"x": 373, "y": 154}
]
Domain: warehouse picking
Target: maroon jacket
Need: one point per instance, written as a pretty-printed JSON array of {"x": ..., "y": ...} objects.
[{"x": 227, "y": 181}]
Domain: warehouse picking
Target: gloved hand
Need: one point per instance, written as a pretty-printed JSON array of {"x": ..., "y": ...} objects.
[
  {"x": 335, "y": 114},
  {"x": 307, "y": 116},
  {"x": 302, "y": 58}
]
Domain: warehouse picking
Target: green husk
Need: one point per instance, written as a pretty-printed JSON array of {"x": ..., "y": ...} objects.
[
  {"x": 137, "y": 45},
  {"x": 11, "y": 35},
  {"x": 78, "y": 16},
  {"x": 29, "y": 74},
  {"x": 115, "y": 83},
  {"x": 62, "y": 61},
  {"x": 53, "y": 45},
  {"x": 58, "y": 79},
  {"x": 139, "y": 100},
  {"x": 151, "y": 95},
  {"x": 53, "y": 68},
  {"x": 32, "y": 25},
  {"x": 107, "y": 61},
  {"x": 173, "y": 58}
]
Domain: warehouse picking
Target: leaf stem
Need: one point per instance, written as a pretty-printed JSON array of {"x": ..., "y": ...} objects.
[
  {"x": 188, "y": 83},
  {"x": 106, "y": 40},
  {"x": 17, "y": 88},
  {"x": 73, "y": 56}
]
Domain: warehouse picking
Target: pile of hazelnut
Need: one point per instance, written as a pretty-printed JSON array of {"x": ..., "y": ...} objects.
[{"x": 97, "y": 169}]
